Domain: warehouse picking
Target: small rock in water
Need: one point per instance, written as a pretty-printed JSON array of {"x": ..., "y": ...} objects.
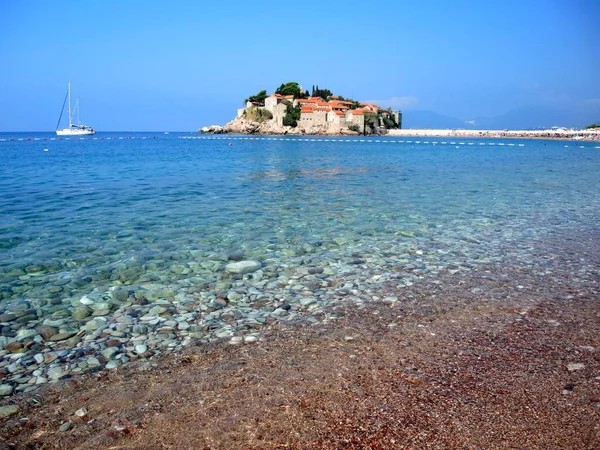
[
  {"x": 55, "y": 373},
  {"x": 237, "y": 255},
  {"x": 242, "y": 267},
  {"x": 236, "y": 340},
  {"x": 46, "y": 332},
  {"x": 5, "y": 389},
  {"x": 13, "y": 347},
  {"x": 141, "y": 348},
  {"x": 81, "y": 312}
]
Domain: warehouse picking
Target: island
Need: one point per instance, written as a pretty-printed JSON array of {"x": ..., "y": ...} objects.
[{"x": 292, "y": 110}]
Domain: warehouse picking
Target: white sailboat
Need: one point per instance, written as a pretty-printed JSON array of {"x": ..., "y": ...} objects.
[{"x": 74, "y": 129}]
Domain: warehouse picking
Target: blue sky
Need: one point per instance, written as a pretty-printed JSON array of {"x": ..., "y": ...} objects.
[{"x": 180, "y": 65}]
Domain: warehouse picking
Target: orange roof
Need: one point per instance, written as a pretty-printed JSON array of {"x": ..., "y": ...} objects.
[
  {"x": 314, "y": 99},
  {"x": 306, "y": 109},
  {"x": 339, "y": 113},
  {"x": 322, "y": 103},
  {"x": 357, "y": 112},
  {"x": 335, "y": 97},
  {"x": 344, "y": 102},
  {"x": 321, "y": 109}
]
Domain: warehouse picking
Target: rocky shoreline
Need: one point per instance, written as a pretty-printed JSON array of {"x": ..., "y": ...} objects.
[
  {"x": 241, "y": 125},
  {"x": 430, "y": 365}
]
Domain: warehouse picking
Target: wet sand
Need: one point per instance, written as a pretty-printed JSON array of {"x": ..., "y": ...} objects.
[{"x": 506, "y": 357}]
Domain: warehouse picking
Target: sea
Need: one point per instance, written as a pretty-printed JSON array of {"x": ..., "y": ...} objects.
[{"x": 156, "y": 240}]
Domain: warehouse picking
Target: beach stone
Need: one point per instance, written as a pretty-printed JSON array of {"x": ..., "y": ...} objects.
[
  {"x": 8, "y": 410},
  {"x": 141, "y": 348},
  {"x": 6, "y": 389},
  {"x": 242, "y": 267},
  {"x": 113, "y": 364},
  {"x": 7, "y": 317},
  {"x": 109, "y": 352},
  {"x": 237, "y": 255},
  {"x": 65, "y": 426},
  {"x": 39, "y": 358},
  {"x": 308, "y": 301},
  {"x": 46, "y": 332},
  {"x": 235, "y": 340},
  {"x": 71, "y": 342},
  {"x": 62, "y": 336},
  {"x": 55, "y": 373},
  {"x": 81, "y": 412},
  {"x": 13, "y": 346},
  {"x": 120, "y": 295},
  {"x": 81, "y": 312},
  {"x": 575, "y": 366},
  {"x": 24, "y": 334},
  {"x": 50, "y": 357}
]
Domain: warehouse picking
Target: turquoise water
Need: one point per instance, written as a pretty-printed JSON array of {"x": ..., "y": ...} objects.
[
  {"x": 83, "y": 208},
  {"x": 159, "y": 215}
]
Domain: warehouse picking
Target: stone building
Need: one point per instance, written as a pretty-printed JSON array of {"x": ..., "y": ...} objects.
[{"x": 356, "y": 117}]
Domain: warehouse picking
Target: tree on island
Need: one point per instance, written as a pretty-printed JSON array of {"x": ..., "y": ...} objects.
[
  {"x": 290, "y": 88},
  {"x": 258, "y": 98},
  {"x": 292, "y": 115},
  {"x": 323, "y": 93},
  {"x": 592, "y": 126}
]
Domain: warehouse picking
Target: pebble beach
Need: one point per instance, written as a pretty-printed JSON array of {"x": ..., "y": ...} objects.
[{"x": 130, "y": 253}]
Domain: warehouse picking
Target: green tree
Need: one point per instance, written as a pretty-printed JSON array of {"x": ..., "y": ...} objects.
[
  {"x": 290, "y": 88},
  {"x": 292, "y": 116},
  {"x": 592, "y": 126},
  {"x": 258, "y": 98},
  {"x": 323, "y": 93}
]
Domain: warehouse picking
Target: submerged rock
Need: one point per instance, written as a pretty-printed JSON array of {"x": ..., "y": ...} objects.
[{"x": 243, "y": 267}]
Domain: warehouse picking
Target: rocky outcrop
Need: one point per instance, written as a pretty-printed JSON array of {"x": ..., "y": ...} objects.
[
  {"x": 213, "y": 129},
  {"x": 242, "y": 125}
]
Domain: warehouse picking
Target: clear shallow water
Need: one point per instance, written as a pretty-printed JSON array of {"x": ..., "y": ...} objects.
[{"x": 84, "y": 209}]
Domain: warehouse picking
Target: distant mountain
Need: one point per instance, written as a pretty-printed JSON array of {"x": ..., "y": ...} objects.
[
  {"x": 523, "y": 118},
  {"x": 430, "y": 119},
  {"x": 538, "y": 117}
]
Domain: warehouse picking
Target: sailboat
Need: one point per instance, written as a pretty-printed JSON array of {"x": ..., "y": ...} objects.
[{"x": 74, "y": 129}]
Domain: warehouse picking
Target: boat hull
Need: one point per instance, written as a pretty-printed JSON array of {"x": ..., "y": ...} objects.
[{"x": 75, "y": 132}]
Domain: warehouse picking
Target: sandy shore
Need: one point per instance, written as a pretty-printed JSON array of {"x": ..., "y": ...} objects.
[
  {"x": 503, "y": 357},
  {"x": 587, "y": 135}
]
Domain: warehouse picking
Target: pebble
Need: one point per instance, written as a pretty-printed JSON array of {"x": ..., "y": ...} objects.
[
  {"x": 242, "y": 267},
  {"x": 575, "y": 366},
  {"x": 55, "y": 373},
  {"x": 81, "y": 412},
  {"x": 6, "y": 389},
  {"x": 139, "y": 349},
  {"x": 66, "y": 426},
  {"x": 8, "y": 410}
]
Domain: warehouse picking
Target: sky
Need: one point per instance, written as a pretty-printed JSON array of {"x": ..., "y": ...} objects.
[{"x": 180, "y": 65}]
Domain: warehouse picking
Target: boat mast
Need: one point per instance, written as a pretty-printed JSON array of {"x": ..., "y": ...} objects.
[{"x": 70, "y": 117}]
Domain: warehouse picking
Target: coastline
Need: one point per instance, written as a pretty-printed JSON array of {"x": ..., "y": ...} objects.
[
  {"x": 518, "y": 134},
  {"x": 576, "y": 135},
  {"x": 436, "y": 370}
]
